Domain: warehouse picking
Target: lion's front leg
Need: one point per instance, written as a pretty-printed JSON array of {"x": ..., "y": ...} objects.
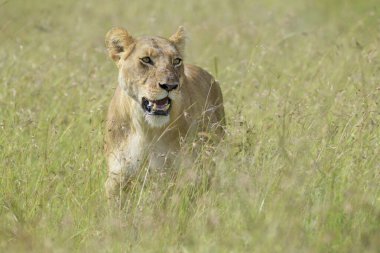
[
  {"x": 115, "y": 189},
  {"x": 122, "y": 167}
]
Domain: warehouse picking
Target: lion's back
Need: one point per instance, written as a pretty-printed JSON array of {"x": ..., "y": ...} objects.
[{"x": 205, "y": 94}]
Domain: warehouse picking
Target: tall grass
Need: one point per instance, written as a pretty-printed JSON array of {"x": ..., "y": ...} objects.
[{"x": 298, "y": 170}]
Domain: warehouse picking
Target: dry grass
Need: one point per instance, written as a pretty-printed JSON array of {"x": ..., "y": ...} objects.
[{"x": 298, "y": 171}]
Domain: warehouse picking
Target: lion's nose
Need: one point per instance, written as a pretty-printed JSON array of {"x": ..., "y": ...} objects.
[{"x": 168, "y": 87}]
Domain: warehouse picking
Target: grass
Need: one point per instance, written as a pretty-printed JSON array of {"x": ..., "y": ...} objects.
[{"x": 298, "y": 171}]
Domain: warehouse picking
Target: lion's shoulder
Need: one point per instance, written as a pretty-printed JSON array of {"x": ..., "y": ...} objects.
[
  {"x": 202, "y": 82},
  {"x": 194, "y": 73}
]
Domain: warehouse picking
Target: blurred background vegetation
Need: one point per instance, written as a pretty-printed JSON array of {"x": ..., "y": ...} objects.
[{"x": 297, "y": 172}]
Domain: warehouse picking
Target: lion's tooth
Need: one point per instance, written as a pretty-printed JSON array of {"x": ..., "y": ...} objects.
[{"x": 154, "y": 106}]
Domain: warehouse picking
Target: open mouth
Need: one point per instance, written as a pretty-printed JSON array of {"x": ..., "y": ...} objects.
[{"x": 156, "y": 107}]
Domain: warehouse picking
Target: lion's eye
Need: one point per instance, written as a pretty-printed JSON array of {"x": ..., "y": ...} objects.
[
  {"x": 177, "y": 61},
  {"x": 146, "y": 60}
]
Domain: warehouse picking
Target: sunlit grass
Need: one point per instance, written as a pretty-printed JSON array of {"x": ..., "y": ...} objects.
[{"x": 298, "y": 170}]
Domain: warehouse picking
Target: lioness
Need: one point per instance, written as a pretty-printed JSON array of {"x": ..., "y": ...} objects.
[{"x": 158, "y": 102}]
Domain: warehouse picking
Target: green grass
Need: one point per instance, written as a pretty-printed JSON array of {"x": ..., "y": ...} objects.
[{"x": 299, "y": 170}]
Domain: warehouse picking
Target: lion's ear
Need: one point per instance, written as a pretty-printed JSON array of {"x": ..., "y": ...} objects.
[
  {"x": 179, "y": 39},
  {"x": 117, "y": 41}
]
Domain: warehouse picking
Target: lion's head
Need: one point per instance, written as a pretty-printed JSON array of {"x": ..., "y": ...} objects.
[{"x": 151, "y": 72}]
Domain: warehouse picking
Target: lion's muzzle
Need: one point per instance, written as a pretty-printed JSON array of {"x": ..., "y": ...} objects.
[
  {"x": 168, "y": 87},
  {"x": 159, "y": 107}
]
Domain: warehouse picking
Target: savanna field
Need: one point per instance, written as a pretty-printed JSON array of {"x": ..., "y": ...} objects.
[{"x": 299, "y": 167}]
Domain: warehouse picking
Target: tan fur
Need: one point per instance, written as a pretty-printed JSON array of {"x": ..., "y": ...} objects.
[{"x": 132, "y": 136}]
